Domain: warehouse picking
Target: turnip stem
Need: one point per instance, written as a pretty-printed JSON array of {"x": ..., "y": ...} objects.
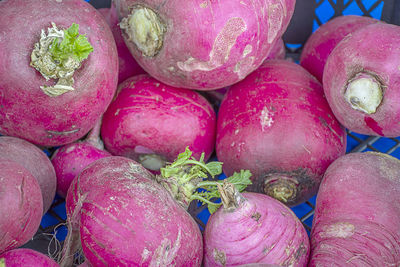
[{"x": 93, "y": 137}]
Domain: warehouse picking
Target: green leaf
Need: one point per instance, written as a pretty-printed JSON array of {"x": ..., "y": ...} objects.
[
  {"x": 240, "y": 180},
  {"x": 215, "y": 168},
  {"x": 213, "y": 208},
  {"x": 72, "y": 46}
]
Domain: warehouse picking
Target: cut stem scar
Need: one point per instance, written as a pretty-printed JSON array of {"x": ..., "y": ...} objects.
[
  {"x": 146, "y": 29},
  {"x": 364, "y": 93}
]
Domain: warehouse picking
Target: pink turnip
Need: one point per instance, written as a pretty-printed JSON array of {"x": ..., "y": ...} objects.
[
  {"x": 35, "y": 161},
  {"x": 58, "y": 69},
  {"x": 202, "y": 45},
  {"x": 254, "y": 228},
  {"x": 127, "y": 64},
  {"x": 357, "y": 215},
  {"x": 21, "y": 205},
  {"x": 152, "y": 122},
  {"x": 25, "y": 257},
  {"x": 321, "y": 43},
  {"x": 71, "y": 159},
  {"x": 362, "y": 78},
  {"x": 277, "y": 124}
]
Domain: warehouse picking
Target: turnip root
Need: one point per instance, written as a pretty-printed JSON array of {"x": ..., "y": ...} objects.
[
  {"x": 199, "y": 44},
  {"x": 71, "y": 159},
  {"x": 58, "y": 65},
  {"x": 361, "y": 80},
  {"x": 21, "y": 205},
  {"x": 357, "y": 215},
  {"x": 25, "y": 257},
  {"x": 277, "y": 124},
  {"x": 152, "y": 123},
  {"x": 35, "y": 161},
  {"x": 128, "y": 66},
  {"x": 254, "y": 228},
  {"x": 321, "y": 43}
]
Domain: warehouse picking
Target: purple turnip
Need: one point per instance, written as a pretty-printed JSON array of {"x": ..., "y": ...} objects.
[
  {"x": 277, "y": 124},
  {"x": 58, "y": 69},
  {"x": 202, "y": 45},
  {"x": 361, "y": 80}
]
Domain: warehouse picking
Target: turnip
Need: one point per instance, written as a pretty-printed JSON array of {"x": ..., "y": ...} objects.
[
  {"x": 277, "y": 124},
  {"x": 321, "y": 43},
  {"x": 202, "y": 45},
  {"x": 127, "y": 64},
  {"x": 144, "y": 216},
  {"x": 361, "y": 80},
  {"x": 254, "y": 228},
  {"x": 357, "y": 215},
  {"x": 152, "y": 122},
  {"x": 35, "y": 161},
  {"x": 58, "y": 69},
  {"x": 25, "y": 257},
  {"x": 71, "y": 159},
  {"x": 21, "y": 205}
]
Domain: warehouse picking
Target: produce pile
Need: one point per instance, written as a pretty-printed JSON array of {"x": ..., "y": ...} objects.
[{"x": 148, "y": 107}]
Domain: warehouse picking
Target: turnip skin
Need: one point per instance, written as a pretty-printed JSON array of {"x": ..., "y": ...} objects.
[
  {"x": 25, "y": 110},
  {"x": 370, "y": 53},
  {"x": 357, "y": 216},
  {"x": 71, "y": 159},
  {"x": 208, "y": 45},
  {"x": 35, "y": 161},
  {"x": 321, "y": 43},
  {"x": 277, "y": 124},
  {"x": 128, "y": 66},
  {"x": 278, "y": 50},
  {"x": 151, "y": 119},
  {"x": 21, "y": 205},
  {"x": 260, "y": 229},
  {"x": 26, "y": 257}
]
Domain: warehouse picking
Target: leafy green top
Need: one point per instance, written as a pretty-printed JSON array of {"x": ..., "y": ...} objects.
[
  {"x": 74, "y": 45},
  {"x": 185, "y": 175},
  {"x": 2, "y": 262},
  {"x": 57, "y": 55}
]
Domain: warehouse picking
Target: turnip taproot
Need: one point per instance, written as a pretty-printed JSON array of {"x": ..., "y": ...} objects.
[
  {"x": 277, "y": 124},
  {"x": 25, "y": 257},
  {"x": 321, "y": 43},
  {"x": 202, "y": 45},
  {"x": 152, "y": 122},
  {"x": 127, "y": 64},
  {"x": 357, "y": 215},
  {"x": 71, "y": 159},
  {"x": 58, "y": 64},
  {"x": 35, "y": 161},
  {"x": 21, "y": 205},
  {"x": 361, "y": 80},
  {"x": 254, "y": 228}
]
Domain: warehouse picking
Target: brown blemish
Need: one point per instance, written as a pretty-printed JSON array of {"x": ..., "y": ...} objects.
[
  {"x": 219, "y": 256},
  {"x": 256, "y": 216}
]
